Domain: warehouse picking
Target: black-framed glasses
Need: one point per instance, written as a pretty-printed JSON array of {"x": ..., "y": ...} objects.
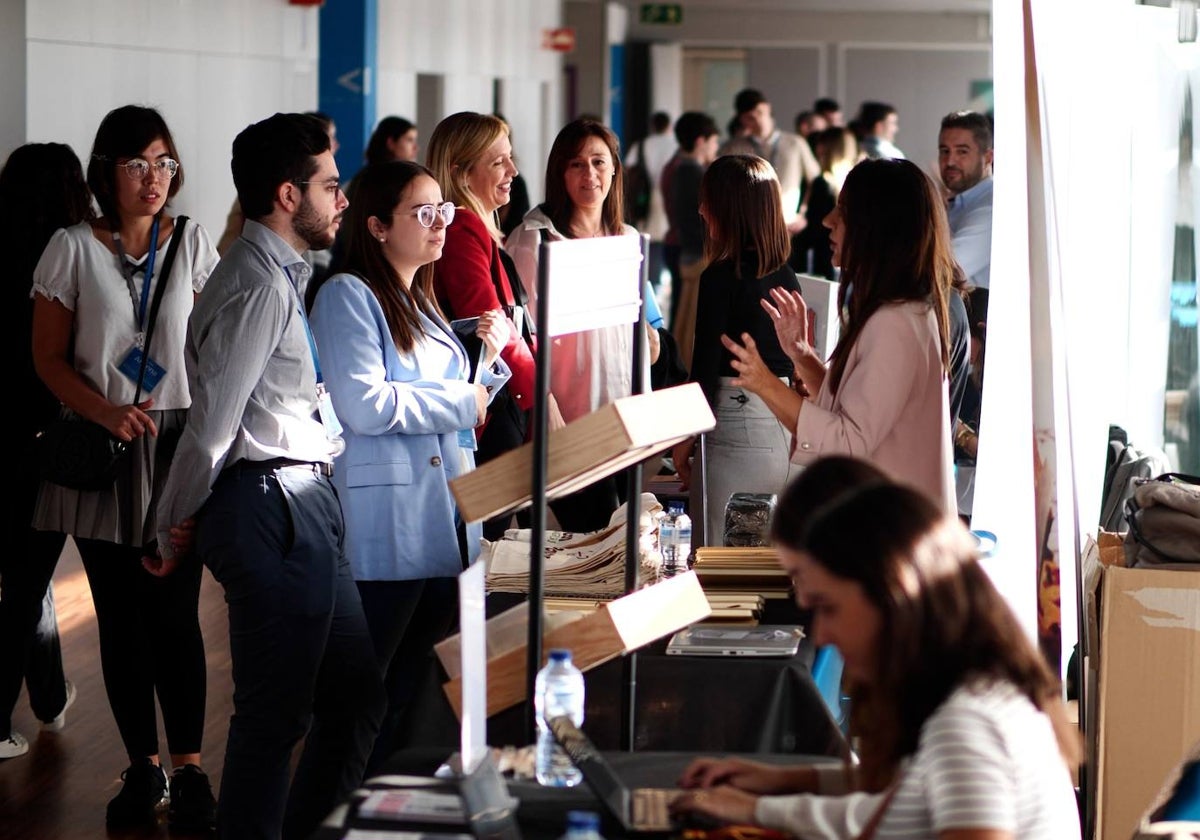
[
  {"x": 332, "y": 186},
  {"x": 427, "y": 213},
  {"x": 136, "y": 168}
]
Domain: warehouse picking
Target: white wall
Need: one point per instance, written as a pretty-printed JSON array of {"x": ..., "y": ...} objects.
[
  {"x": 12, "y": 76},
  {"x": 503, "y": 42},
  {"x": 210, "y": 66}
]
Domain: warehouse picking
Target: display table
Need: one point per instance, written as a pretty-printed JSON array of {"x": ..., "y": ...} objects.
[
  {"x": 542, "y": 812},
  {"x": 751, "y": 705}
]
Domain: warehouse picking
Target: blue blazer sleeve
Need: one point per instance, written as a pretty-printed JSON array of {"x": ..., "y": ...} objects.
[{"x": 376, "y": 390}]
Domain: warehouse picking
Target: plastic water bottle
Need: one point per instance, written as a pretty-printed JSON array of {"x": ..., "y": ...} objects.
[
  {"x": 668, "y": 540},
  {"x": 683, "y": 540},
  {"x": 582, "y": 825},
  {"x": 558, "y": 690}
]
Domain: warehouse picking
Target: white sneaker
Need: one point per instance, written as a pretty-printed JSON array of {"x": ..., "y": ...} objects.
[
  {"x": 15, "y": 745},
  {"x": 60, "y": 720}
]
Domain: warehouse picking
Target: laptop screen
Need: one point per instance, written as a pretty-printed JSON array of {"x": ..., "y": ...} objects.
[{"x": 597, "y": 772}]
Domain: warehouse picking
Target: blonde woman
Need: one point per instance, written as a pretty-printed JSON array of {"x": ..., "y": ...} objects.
[{"x": 471, "y": 157}]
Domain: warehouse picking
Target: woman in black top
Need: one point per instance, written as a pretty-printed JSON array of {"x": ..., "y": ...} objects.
[{"x": 747, "y": 250}]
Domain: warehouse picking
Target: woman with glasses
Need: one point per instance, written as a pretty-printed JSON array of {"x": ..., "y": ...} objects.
[
  {"x": 471, "y": 157},
  {"x": 93, "y": 291},
  {"x": 409, "y": 398}
]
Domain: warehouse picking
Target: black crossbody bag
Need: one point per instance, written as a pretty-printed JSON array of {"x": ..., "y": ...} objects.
[{"x": 82, "y": 455}]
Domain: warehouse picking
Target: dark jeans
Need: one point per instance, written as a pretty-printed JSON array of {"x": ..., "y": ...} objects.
[
  {"x": 29, "y": 646},
  {"x": 273, "y": 538},
  {"x": 406, "y": 619},
  {"x": 150, "y": 643}
]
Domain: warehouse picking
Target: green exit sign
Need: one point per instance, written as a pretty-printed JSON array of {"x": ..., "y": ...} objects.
[{"x": 662, "y": 13}]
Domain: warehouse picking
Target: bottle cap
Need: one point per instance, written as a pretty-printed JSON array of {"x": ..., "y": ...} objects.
[
  {"x": 675, "y": 507},
  {"x": 560, "y": 655},
  {"x": 583, "y": 820}
]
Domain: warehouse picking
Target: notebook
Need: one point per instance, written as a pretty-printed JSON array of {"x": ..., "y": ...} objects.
[
  {"x": 639, "y": 810},
  {"x": 718, "y": 640}
]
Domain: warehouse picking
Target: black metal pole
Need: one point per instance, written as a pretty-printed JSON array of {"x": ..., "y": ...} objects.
[
  {"x": 633, "y": 511},
  {"x": 541, "y": 450}
]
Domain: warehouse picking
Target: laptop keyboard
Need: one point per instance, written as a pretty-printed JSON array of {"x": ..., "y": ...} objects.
[{"x": 651, "y": 808}]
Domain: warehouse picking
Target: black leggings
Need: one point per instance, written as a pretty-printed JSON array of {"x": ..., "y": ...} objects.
[{"x": 149, "y": 642}]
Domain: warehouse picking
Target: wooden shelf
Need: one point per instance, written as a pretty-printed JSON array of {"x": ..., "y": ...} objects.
[{"x": 596, "y": 445}]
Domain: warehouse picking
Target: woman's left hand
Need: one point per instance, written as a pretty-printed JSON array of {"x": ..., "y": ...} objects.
[
  {"x": 493, "y": 331},
  {"x": 753, "y": 374},
  {"x": 723, "y": 803}
]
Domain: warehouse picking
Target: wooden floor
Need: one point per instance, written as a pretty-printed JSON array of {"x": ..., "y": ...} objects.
[{"x": 59, "y": 789}]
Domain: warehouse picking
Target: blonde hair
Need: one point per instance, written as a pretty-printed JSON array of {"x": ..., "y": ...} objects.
[{"x": 458, "y": 143}]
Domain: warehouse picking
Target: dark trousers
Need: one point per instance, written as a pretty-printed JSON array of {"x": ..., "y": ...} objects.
[
  {"x": 406, "y": 619},
  {"x": 29, "y": 646},
  {"x": 150, "y": 644},
  {"x": 302, "y": 656}
]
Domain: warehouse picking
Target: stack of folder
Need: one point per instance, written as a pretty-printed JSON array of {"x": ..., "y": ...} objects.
[{"x": 737, "y": 581}]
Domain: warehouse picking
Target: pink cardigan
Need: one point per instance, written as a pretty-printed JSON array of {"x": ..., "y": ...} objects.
[{"x": 892, "y": 407}]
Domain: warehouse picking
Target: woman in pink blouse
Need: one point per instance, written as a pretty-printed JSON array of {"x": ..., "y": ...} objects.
[{"x": 882, "y": 394}]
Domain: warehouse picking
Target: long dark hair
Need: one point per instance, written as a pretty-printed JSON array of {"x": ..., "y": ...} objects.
[
  {"x": 41, "y": 190},
  {"x": 389, "y": 128},
  {"x": 741, "y": 201},
  {"x": 380, "y": 188},
  {"x": 896, "y": 248},
  {"x": 558, "y": 205},
  {"x": 124, "y": 133},
  {"x": 943, "y": 624}
]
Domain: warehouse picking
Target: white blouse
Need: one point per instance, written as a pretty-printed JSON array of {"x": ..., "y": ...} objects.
[{"x": 80, "y": 272}]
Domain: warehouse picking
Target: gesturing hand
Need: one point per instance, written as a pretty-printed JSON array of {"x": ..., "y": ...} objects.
[
  {"x": 752, "y": 372},
  {"x": 789, "y": 314}
]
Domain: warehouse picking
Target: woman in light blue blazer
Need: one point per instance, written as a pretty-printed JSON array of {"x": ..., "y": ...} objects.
[{"x": 409, "y": 397}]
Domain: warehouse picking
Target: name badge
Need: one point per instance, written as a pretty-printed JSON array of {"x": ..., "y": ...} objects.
[
  {"x": 329, "y": 418},
  {"x": 466, "y": 439},
  {"x": 131, "y": 366}
]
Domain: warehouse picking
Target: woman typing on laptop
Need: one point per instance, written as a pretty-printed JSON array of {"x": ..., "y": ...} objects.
[{"x": 961, "y": 732}]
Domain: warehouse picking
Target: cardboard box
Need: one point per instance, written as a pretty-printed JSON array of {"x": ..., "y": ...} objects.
[
  {"x": 593, "y": 638},
  {"x": 1149, "y": 692}
]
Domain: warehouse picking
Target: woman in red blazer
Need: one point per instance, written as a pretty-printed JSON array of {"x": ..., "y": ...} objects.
[{"x": 471, "y": 156}]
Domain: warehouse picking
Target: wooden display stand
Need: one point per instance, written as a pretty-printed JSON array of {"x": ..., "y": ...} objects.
[
  {"x": 594, "y": 638},
  {"x": 582, "y": 284}
]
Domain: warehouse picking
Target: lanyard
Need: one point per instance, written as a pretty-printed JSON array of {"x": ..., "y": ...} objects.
[
  {"x": 139, "y": 311},
  {"x": 312, "y": 344}
]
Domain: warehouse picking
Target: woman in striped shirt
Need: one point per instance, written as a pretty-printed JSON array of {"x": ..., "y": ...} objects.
[{"x": 960, "y": 725}]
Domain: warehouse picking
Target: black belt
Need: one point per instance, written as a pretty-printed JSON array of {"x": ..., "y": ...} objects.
[{"x": 318, "y": 467}]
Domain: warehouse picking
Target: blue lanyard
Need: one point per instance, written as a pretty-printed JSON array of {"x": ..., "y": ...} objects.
[
  {"x": 312, "y": 344},
  {"x": 127, "y": 270}
]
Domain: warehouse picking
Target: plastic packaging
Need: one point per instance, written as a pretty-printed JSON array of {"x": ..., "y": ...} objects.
[
  {"x": 558, "y": 690},
  {"x": 748, "y": 519}
]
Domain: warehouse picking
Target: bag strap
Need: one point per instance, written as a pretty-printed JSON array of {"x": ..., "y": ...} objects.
[{"x": 164, "y": 277}]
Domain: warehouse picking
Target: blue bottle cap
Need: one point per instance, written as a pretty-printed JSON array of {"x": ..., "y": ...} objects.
[
  {"x": 560, "y": 655},
  {"x": 586, "y": 820}
]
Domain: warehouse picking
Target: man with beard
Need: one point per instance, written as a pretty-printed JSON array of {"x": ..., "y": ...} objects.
[
  {"x": 249, "y": 495},
  {"x": 965, "y": 164}
]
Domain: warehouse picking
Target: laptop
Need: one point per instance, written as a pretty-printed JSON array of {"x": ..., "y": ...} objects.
[
  {"x": 638, "y": 810},
  {"x": 724, "y": 640}
]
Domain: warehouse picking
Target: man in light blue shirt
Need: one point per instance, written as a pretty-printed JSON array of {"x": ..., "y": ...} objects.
[
  {"x": 965, "y": 164},
  {"x": 251, "y": 475}
]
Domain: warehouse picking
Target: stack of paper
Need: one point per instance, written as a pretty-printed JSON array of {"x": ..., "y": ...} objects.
[
  {"x": 734, "y": 607},
  {"x": 582, "y": 565}
]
